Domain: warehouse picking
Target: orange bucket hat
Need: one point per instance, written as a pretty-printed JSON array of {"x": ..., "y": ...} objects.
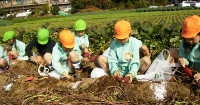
[
  {"x": 190, "y": 26},
  {"x": 122, "y": 29},
  {"x": 67, "y": 38}
]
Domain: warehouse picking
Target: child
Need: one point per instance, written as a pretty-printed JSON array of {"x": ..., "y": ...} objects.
[
  {"x": 44, "y": 44},
  {"x": 81, "y": 38},
  {"x": 145, "y": 60},
  {"x": 15, "y": 48},
  {"x": 189, "y": 52},
  {"x": 4, "y": 60},
  {"x": 123, "y": 58},
  {"x": 66, "y": 55}
]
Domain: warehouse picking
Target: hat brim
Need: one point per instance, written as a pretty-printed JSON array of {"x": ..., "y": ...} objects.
[
  {"x": 69, "y": 46},
  {"x": 5, "y": 40},
  {"x": 121, "y": 36},
  {"x": 80, "y": 29},
  {"x": 189, "y": 35},
  {"x": 42, "y": 42}
]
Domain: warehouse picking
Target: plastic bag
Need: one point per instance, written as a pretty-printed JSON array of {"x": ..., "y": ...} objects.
[
  {"x": 55, "y": 74},
  {"x": 97, "y": 72},
  {"x": 160, "y": 69},
  {"x": 44, "y": 71}
]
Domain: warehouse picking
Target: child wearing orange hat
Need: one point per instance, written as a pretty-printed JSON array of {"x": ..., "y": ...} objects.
[
  {"x": 63, "y": 50},
  {"x": 189, "y": 52},
  {"x": 145, "y": 60},
  {"x": 123, "y": 59}
]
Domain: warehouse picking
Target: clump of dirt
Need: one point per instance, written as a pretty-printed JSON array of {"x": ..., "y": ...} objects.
[
  {"x": 22, "y": 68},
  {"x": 3, "y": 80},
  {"x": 104, "y": 90}
]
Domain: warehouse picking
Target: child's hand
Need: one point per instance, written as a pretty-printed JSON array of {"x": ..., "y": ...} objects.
[
  {"x": 38, "y": 61},
  {"x": 83, "y": 46},
  {"x": 182, "y": 61},
  {"x": 197, "y": 77},
  {"x": 130, "y": 76},
  {"x": 35, "y": 60},
  {"x": 67, "y": 76},
  {"x": 86, "y": 50},
  {"x": 117, "y": 76},
  {"x": 7, "y": 48},
  {"x": 85, "y": 59},
  {"x": 15, "y": 54},
  {"x": 116, "y": 73}
]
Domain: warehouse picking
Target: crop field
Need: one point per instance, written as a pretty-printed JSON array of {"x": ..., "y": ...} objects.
[{"x": 100, "y": 19}]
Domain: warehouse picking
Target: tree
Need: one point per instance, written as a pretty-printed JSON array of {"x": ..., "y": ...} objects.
[
  {"x": 106, "y": 4},
  {"x": 55, "y": 10},
  {"x": 129, "y": 4},
  {"x": 161, "y": 2},
  {"x": 2, "y": 12},
  {"x": 78, "y": 4},
  {"x": 45, "y": 9}
]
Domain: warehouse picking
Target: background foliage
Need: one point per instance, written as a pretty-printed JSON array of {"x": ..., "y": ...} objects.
[
  {"x": 55, "y": 10},
  {"x": 2, "y": 12},
  {"x": 117, "y": 4}
]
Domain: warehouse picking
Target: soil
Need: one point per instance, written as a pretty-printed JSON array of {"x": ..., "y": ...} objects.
[{"x": 104, "y": 90}]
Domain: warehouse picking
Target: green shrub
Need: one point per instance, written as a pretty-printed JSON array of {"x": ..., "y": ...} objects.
[
  {"x": 2, "y": 12},
  {"x": 35, "y": 12},
  {"x": 129, "y": 5},
  {"x": 78, "y": 5},
  {"x": 159, "y": 36},
  {"x": 11, "y": 17},
  {"x": 142, "y": 4},
  {"x": 45, "y": 9},
  {"x": 55, "y": 10}
]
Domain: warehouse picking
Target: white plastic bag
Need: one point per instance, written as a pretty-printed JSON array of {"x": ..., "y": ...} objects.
[
  {"x": 55, "y": 74},
  {"x": 160, "y": 69},
  {"x": 97, "y": 72}
]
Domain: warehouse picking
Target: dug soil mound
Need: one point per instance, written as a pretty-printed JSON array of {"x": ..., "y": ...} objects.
[
  {"x": 89, "y": 8},
  {"x": 15, "y": 89}
]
